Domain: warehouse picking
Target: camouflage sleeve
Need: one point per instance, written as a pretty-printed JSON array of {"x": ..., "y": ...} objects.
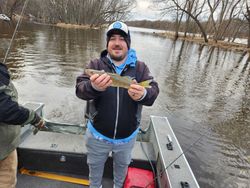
[{"x": 12, "y": 113}]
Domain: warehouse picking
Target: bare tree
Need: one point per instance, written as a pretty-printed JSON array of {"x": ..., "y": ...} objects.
[
  {"x": 247, "y": 16},
  {"x": 211, "y": 24},
  {"x": 194, "y": 14},
  {"x": 192, "y": 8},
  {"x": 228, "y": 12},
  {"x": 92, "y": 12},
  {"x": 9, "y": 7},
  {"x": 189, "y": 8}
]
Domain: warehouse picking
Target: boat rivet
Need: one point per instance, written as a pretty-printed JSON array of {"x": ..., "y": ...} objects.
[
  {"x": 184, "y": 184},
  {"x": 62, "y": 158},
  {"x": 177, "y": 166}
]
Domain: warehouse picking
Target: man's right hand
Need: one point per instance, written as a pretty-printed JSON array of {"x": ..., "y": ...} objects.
[{"x": 100, "y": 82}]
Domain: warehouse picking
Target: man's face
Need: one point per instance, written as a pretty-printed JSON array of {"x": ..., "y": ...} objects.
[{"x": 117, "y": 47}]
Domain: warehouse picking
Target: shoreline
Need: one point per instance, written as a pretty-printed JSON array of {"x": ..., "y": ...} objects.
[
  {"x": 75, "y": 26},
  {"x": 199, "y": 40},
  {"x": 168, "y": 34}
]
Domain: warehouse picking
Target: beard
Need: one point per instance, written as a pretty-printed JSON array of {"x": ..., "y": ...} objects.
[
  {"x": 117, "y": 58},
  {"x": 117, "y": 52}
]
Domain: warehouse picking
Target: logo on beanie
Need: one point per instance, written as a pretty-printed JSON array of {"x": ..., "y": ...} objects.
[{"x": 117, "y": 25}]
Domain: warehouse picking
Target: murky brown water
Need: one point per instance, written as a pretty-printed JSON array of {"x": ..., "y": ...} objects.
[{"x": 205, "y": 92}]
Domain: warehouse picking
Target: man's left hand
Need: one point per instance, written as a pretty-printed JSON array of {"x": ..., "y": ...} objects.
[{"x": 136, "y": 91}]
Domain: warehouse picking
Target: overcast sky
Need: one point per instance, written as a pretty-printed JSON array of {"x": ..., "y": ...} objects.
[{"x": 144, "y": 11}]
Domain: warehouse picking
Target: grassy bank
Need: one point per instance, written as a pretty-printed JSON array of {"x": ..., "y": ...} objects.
[{"x": 220, "y": 43}]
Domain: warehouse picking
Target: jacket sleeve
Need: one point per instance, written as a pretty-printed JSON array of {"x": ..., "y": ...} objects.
[
  {"x": 84, "y": 90},
  {"x": 152, "y": 92},
  {"x": 12, "y": 113}
]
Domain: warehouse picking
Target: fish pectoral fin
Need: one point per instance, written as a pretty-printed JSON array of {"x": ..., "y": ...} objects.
[{"x": 146, "y": 83}]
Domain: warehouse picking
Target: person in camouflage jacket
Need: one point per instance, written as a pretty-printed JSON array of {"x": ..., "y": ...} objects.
[{"x": 12, "y": 117}]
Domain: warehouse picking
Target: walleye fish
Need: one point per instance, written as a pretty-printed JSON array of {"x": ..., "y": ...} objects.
[{"x": 117, "y": 80}]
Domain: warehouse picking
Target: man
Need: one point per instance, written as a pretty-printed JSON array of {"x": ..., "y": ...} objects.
[
  {"x": 12, "y": 115},
  {"x": 114, "y": 122}
]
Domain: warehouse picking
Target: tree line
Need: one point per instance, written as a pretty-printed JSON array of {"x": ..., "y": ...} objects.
[
  {"x": 87, "y": 12},
  {"x": 219, "y": 19},
  {"x": 214, "y": 19},
  {"x": 194, "y": 29}
]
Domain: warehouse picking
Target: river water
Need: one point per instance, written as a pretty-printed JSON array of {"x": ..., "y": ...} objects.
[{"x": 204, "y": 91}]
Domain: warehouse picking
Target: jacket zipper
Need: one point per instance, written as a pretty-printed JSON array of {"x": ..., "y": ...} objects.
[
  {"x": 118, "y": 102},
  {"x": 117, "y": 112}
]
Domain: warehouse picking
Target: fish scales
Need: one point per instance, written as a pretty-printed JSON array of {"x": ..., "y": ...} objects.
[{"x": 117, "y": 80}]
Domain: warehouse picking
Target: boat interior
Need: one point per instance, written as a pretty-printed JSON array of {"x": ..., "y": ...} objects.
[{"x": 56, "y": 157}]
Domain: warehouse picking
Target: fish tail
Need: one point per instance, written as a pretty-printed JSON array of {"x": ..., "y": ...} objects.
[{"x": 146, "y": 83}]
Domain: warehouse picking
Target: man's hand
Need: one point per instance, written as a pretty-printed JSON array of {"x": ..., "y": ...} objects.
[
  {"x": 136, "y": 92},
  {"x": 38, "y": 123},
  {"x": 100, "y": 82}
]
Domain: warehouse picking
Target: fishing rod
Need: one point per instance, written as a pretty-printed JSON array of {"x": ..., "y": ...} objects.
[{"x": 15, "y": 31}]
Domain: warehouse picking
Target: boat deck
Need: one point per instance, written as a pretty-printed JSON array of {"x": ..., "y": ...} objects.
[
  {"x": 26, "y": 181},
  {"x": 44, "y": 152}
]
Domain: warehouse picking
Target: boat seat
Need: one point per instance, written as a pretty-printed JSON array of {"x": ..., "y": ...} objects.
[{"x": 66, "y": 153}]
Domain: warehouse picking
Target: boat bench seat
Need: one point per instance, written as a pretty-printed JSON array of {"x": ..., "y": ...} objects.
[{"x": 66, "y": 153}]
